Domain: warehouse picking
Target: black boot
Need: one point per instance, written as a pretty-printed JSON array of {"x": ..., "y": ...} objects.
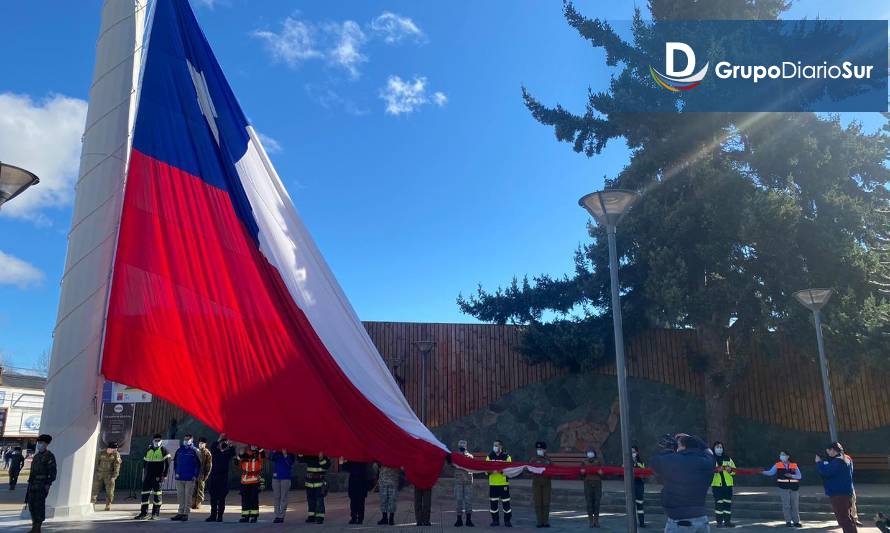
[
  {"x": 383, "y": 521},
  {"x": 507, "y": 518},
  {"x": 392, "y": 519},
  {"x": 469, "y": 521},
  {"x": 460, "y": 522}
]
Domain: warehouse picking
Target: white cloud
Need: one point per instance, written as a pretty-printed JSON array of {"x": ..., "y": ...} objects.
[
  {"x": 43, "y": 137},
  {"x": 346, "y": 51},
  {"x": 328, "y": 98},
  {"x": 404, "y": 97},
  {"x": 271, "y": 145},
  {"x": 295, "y": 43},
  {"x": 396, "y": 28},
  {"x": 207, "y": 3},
  {"x": 14, "y": 271}
]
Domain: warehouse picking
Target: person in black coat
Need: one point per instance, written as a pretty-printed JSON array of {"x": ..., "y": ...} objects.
[
  {"x": 16, "y": 462},
  {"x": 361, "y": 480},
  {"x": 222, "y": 455}
]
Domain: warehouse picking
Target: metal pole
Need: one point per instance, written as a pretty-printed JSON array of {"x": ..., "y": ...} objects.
[
  {"x": 623, "y": 406},
  {"x": 826, "y": 384}
]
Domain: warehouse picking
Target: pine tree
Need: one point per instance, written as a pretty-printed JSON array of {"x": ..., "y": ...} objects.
[{"x": 739, "y": 211}]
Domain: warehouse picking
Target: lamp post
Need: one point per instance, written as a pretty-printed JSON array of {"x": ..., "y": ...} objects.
[
  {"x": 608, "y": 208},
  {"x": 814, "y": 300},
  {"x": 425, "y": 348},
  {"x": 14, "y": 180}
]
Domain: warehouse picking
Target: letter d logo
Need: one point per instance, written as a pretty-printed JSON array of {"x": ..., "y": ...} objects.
[{"x": 670, "y": 50}]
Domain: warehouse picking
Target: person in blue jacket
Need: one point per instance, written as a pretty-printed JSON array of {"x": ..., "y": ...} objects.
[
  {"x": 186, "y": 467},
  {"x": 282, "y": 468},
  {"x": 836, "y": 470},
  {"x": 685, "y": 467}
]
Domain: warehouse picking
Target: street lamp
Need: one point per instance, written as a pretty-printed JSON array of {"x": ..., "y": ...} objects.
[
  {"x": 425, "y": 348},
  {"x": 608, "y": 208},
  {"x": 814, "y": 300},
  {"x": 14, "y": 180}
]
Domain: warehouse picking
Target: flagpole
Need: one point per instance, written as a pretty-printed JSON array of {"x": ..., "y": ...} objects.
[{"x": 71, "y": 406}]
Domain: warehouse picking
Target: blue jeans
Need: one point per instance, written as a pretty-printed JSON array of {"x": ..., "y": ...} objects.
[{"x": 689, "y": 525}]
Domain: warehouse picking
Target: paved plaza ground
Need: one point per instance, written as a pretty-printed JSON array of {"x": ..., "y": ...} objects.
[{"x": 443, "y": 516}]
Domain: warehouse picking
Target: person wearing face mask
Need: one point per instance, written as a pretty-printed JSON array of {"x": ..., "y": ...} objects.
[
  {"x": 836, "y": 470},
  {"x": 316, "y": 486},
  {"x": 722, "y": 484},
  {"x": 222, "y": 455},
  {"x": 282, "y": 472},
  {"x": 591, "y": 474},
  {"x": 108, "y": 468},
  {"x": 639, "y": 486},
  {"x": 43, "y": 474},
  {"x": 251, "y": 463},
  {"x": 499, "y": 486},
  {"x": 206, "y": 466},
  {"x": 463, "y": 489},
  {"x": 685, "y": 468},
  {"x": 155, "y": 467},
  {"x": 388, "y": 483},
  {"x": 541, "y": 485},
  {"x": 788, "y": 482},
  {"x": 186, "y": 468}
]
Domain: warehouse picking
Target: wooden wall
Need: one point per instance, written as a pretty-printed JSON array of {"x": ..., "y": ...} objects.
[{"x": 472, "y": 365}]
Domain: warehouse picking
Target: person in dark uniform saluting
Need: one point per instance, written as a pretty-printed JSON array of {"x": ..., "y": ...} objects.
[{"x": 43, "y": 474}]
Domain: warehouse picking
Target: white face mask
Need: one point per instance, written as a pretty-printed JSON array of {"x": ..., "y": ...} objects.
[
  {"x": 496, "y": 448},
  {"x": 187, "y": 442},
  {"x": 718, "y": 450},
  {"x": 540, "y": 452},
  {"x": 783, "y": 458},
  {"x": 156, "y": 443},
  {"x": 591, "y": 455}
]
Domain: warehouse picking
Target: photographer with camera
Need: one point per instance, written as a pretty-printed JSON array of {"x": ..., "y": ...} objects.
[
  {"x": 836, "y": 470},
  {"x": 685, "y": 468}
]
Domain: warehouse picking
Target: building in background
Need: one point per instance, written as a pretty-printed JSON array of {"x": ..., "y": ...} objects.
[{"x": 21, "y": 406}]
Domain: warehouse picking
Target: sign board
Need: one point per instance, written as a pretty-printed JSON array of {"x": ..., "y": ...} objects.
[
  {"x": 30, "y": 422},
  {"x": 118, "y": 392},
  {"x": 117, "y": 426}
]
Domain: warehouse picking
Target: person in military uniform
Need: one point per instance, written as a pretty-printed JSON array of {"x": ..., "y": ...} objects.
[
  {"x": 541, "y": 485},
  {"x": 108, "y": 468},
  {"x": 316, "y": 467},
  {"x": 43, "y": 474},
  {"x": 591, "y": 473},
  {"x": 206, "y": 466},
  {"x": 155, "y": 467},
  {"x": 463, "y": 489},
  {"x": 388, "y": 483}
]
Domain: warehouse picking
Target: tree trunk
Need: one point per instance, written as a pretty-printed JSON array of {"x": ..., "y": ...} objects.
[{"x": 719, "y": 375}]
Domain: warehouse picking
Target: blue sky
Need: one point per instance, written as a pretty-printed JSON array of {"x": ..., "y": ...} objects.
[{"x": 397, "y": 126}]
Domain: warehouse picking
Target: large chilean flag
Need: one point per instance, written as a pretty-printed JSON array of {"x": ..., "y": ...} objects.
[{"x": 220, "y": 301}]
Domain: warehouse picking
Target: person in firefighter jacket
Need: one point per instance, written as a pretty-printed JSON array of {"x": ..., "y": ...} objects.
[
  {"x": 206, "y": 467},
  {"x": 316, "y": 467},
  {"x": 721, "y": 485},
  {"x": 108, "y": 468},
  {"x": 788, "y": 478},
  {"x": 222, "y": 455},
  {"x": 155, "y": 467},
  {"x": 251, "y": 463},
  {"x": 499, "y": 486}
]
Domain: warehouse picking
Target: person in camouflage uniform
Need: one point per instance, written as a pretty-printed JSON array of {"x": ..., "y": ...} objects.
[
  {"x": 388, "y": 482},
  {"x": 43, "y": 474},
  {"x": 108, "y": 468},
  {"x": 463, "y": 489},
  {"x": 201, "y": 480}
]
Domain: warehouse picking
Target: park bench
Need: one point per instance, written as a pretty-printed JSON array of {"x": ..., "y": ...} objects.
[{"x": 871, "y": 461}]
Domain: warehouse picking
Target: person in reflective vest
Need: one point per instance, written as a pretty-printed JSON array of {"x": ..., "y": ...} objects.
[
  {"x": 788, "y": 481},
  {"x": 499, "y": 486},
  {"x": 251, "y": 463},
  {"x": 155, "y": 467},
  {"x": 316, "y": 467},
  {"x": 639, "y": 486},
  {"x": 721, "y": 486}
]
